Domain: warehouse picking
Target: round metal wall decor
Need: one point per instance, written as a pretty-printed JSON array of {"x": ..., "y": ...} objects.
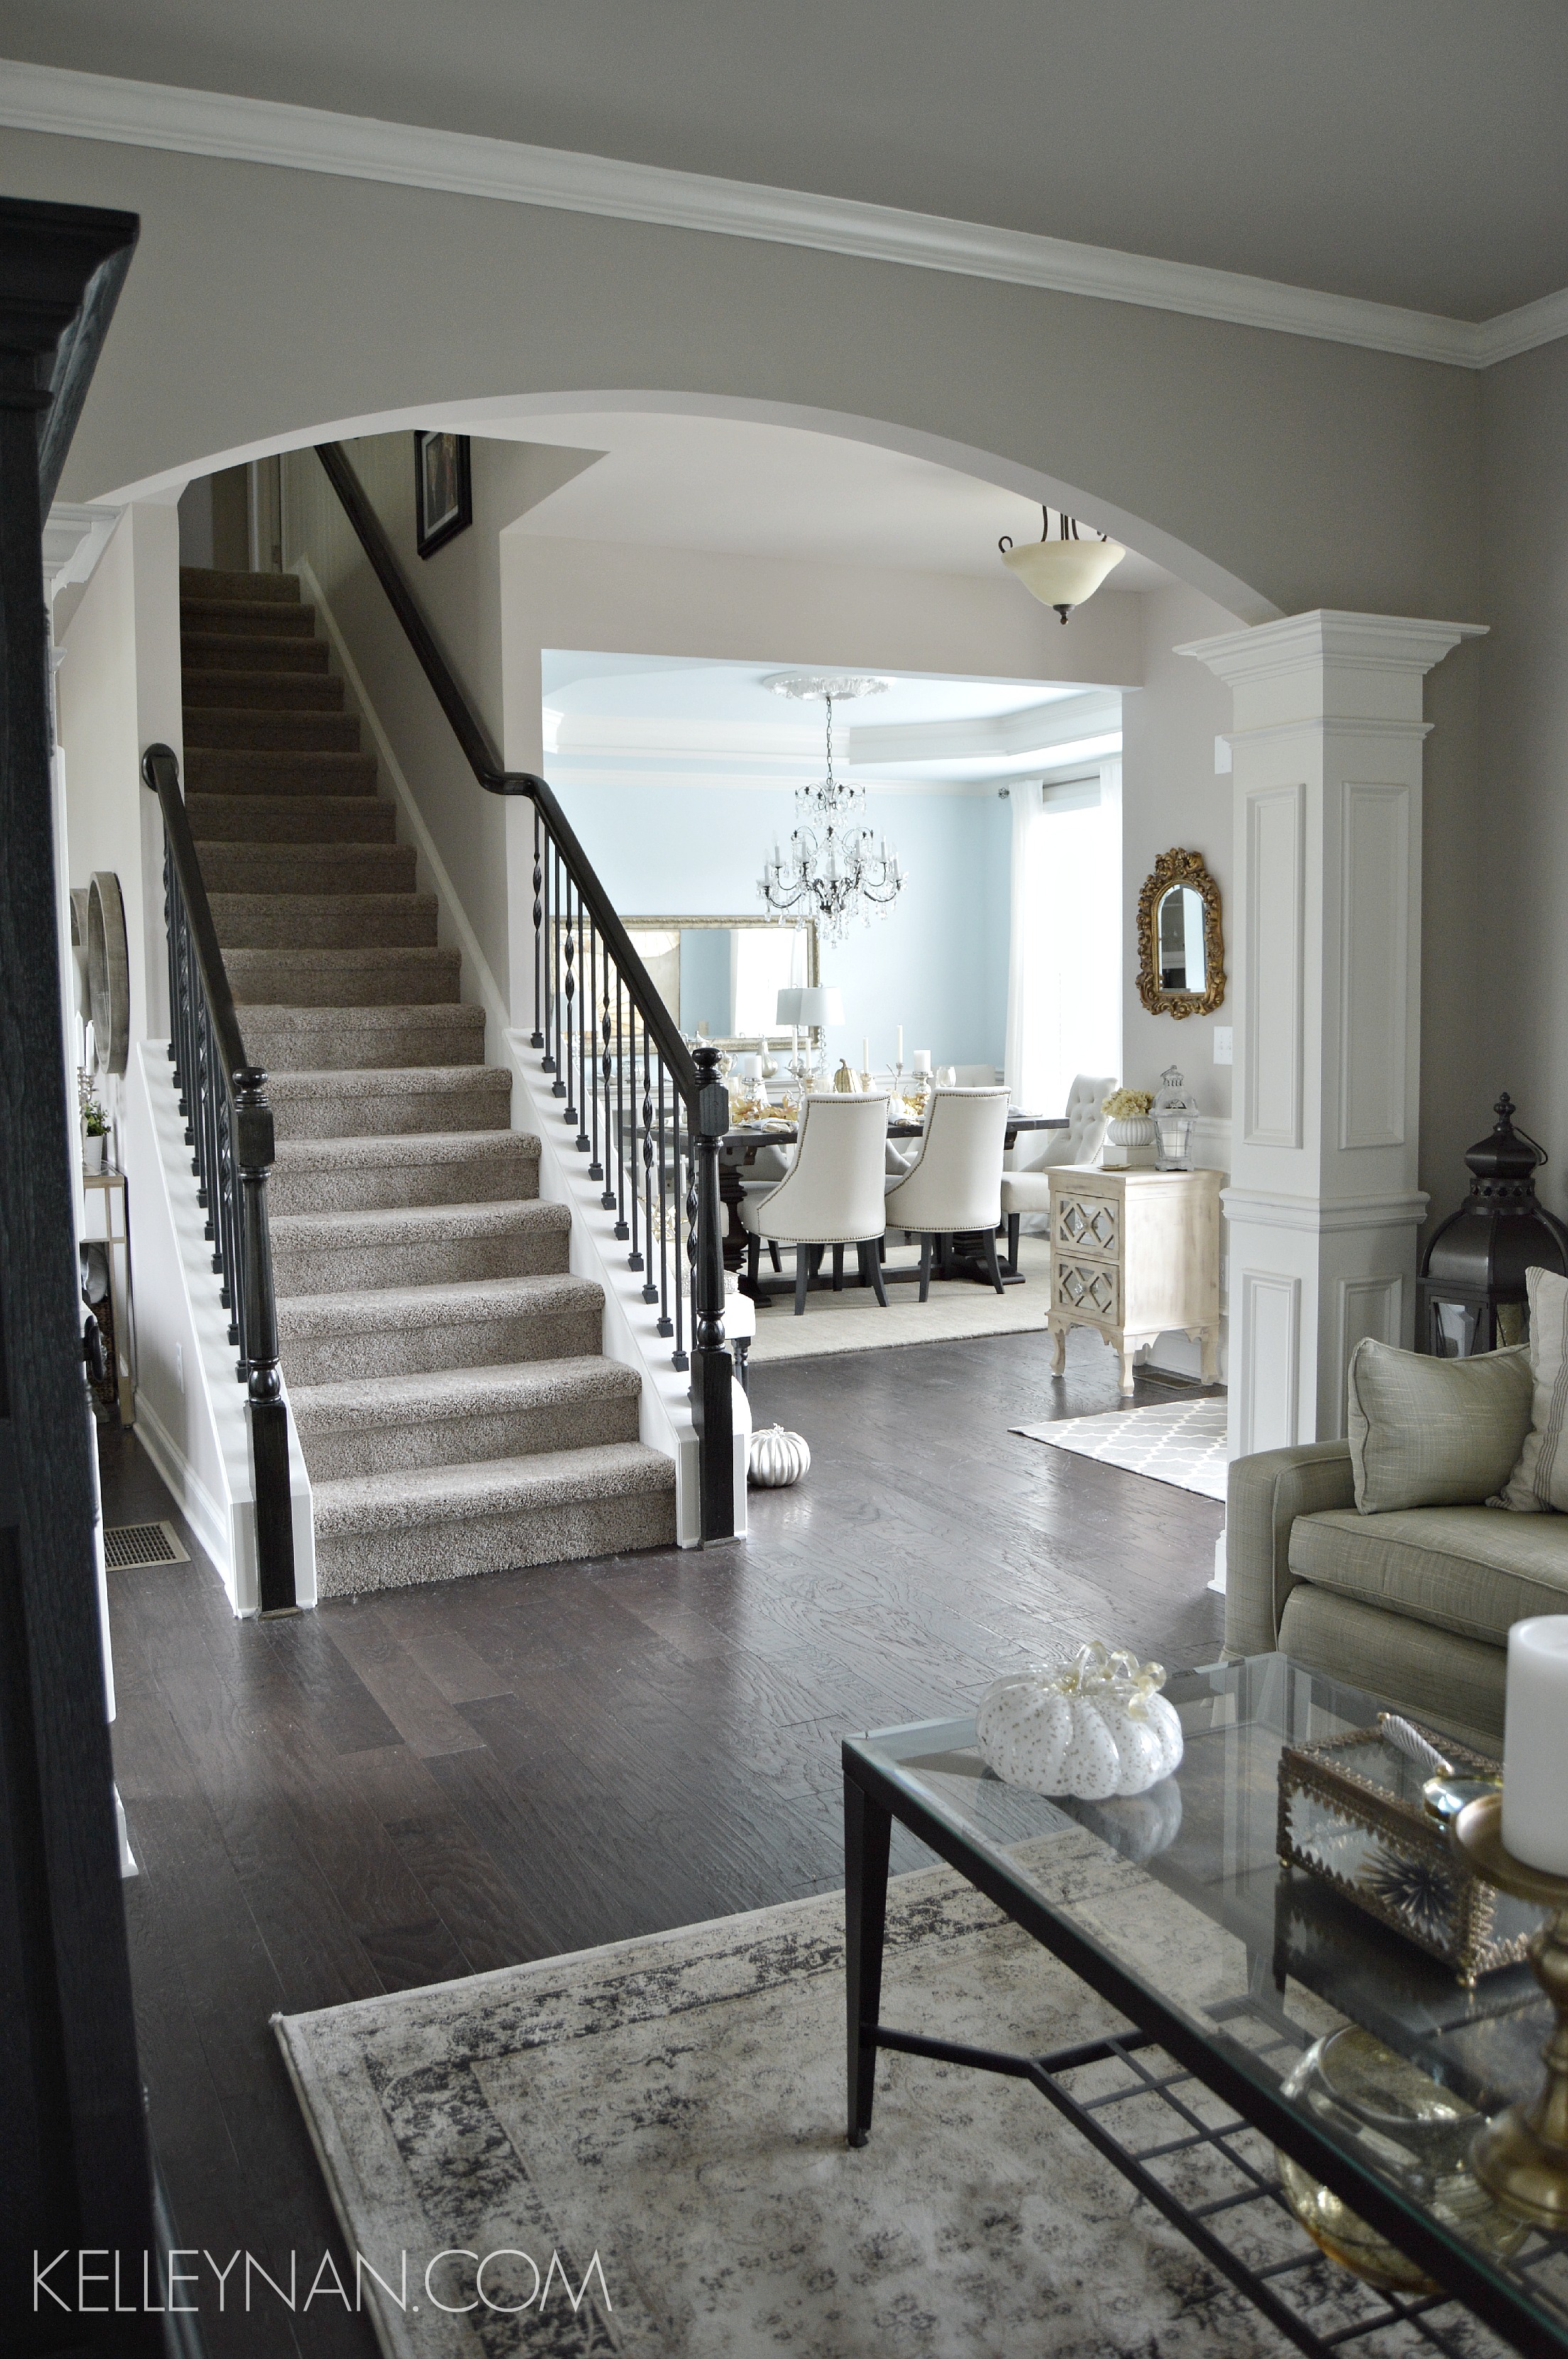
[{"x": 108, "y": 972}]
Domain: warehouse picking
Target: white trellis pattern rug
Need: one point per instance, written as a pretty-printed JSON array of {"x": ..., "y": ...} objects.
[{"x": 1181, "y": 1443}]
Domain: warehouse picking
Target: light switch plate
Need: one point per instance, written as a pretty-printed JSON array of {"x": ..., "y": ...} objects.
[
  {"x": 1224, "y": 762},
  {"x": 1224, "y": 1044}
]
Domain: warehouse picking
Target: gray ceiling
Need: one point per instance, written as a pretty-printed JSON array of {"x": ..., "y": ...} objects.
[{"x": 1408, "y": 150}]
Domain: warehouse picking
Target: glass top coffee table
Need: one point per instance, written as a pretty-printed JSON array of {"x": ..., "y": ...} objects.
[{"x": 1174, "y": 1907}]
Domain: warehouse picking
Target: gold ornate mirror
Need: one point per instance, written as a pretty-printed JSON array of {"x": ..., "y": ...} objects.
[{"x": 1181, "y": 963}]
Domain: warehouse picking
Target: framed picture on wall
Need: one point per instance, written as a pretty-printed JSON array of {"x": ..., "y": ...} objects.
[{"x": 443, "y": 494}]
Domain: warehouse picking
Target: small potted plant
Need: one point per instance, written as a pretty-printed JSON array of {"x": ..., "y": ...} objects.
[
  {"x": 94, "y": 1125},
  {"x": 1129, "y": 1128}
]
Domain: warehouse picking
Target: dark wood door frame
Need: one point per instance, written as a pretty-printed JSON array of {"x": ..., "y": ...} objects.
[{"x": 74, "y": 2170}]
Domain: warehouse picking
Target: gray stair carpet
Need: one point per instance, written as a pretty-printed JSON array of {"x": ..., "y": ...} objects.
[{"x": 444, "y": 1366}]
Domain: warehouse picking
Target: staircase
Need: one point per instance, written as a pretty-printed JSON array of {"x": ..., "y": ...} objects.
[{"x": 444, "y": 1367}]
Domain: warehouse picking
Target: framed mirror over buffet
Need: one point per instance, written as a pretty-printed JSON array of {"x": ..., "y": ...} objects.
[{"x": 1181, "y": 941}]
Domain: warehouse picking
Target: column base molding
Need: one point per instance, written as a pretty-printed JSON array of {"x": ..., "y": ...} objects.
[{"x": 1265, "y": 1207}]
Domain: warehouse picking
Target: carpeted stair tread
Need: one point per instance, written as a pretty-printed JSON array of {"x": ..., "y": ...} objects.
[
  {"x": 415, "y": 1330},
  {"x": 426, "y": 1167},
  {"x": 280, "y": 733},
  {"x": 251, "y": 690},
  {"x": 460, "y": 1416},
  {"x": 275, "y": 921},
  {"x": 249, "y": 769},
  {"x": 281, "y": 618},
  {"x": 292, "y": 1038},
  {"x": 310, "y": 977},
  {"x": 213, "y": 582},
  {"x": 420, "y": 1244},
  {"x": 233, "y": 651},
  {"x": 307, "y": 868},
  {"x": 359, "y": 1102},
  {"x": 459, "y": 1393},
  {"x": 511, "y": 1486},
  {"x": 400, "y": 1223},
  {"x": 290, "y": 819}
]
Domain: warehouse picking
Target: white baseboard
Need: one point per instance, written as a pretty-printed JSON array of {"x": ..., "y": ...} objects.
[
  {"x": 1218, "y": 1582},
  {"x": 207, "y": 1518}
]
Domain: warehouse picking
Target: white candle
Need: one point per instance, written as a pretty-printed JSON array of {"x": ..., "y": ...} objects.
[
  {"x": 866, "y": 1056},
  {"x": 1535, "y": 1745},
  {"x": 899, "y": 1057},
  {"x": 923, "y": 1061}
]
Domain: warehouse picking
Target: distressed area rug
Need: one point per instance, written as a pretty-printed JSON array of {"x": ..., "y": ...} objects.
[
  {"x": 1183, "y": 1442},
  {"x": 675, "y": 2108}
]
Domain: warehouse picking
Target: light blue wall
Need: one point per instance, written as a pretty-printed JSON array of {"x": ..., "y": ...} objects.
[{"x": 937, "y": 965}]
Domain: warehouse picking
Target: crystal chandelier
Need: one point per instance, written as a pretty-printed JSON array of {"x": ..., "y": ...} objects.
[{"x": 833, "y": 869}]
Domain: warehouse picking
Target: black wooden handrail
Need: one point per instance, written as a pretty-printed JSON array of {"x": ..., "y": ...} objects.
[
  {"x": 584, "y": 964},
  {"x": 487, "y": 767},
  {"x": 229, "y": 1129}
]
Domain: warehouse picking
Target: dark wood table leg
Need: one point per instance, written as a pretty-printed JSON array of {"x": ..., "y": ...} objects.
[{"x": 867, "y": 1828}]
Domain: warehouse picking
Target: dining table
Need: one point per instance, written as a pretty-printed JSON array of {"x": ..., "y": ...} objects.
[{"x": 957, "y": 1257}]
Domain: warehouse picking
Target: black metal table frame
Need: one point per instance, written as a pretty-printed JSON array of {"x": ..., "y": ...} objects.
[{"x": 871, "y": 1801}]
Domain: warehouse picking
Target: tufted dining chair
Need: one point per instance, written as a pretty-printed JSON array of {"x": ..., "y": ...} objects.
[
  {"x": 831, "y": 1194},
  {"x": 1028, "y": 1189},
  {"x": 957, "y": 1180}
]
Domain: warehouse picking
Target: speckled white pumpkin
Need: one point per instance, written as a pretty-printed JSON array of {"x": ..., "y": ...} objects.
[
  {"x": 1090, "y": 1728},
  {"x": 778, "y": 1457}
]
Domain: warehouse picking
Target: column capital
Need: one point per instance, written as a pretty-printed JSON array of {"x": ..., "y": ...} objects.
[{"x": 1327, "y": 665}]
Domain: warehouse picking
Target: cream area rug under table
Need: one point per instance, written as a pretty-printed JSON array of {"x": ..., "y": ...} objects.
[
  {"x": 675, "y": 2108},
  {"x": 959, "y": 1307}
]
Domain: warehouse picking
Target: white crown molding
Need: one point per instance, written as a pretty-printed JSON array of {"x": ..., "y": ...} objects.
[
  {"x": 1373, "y": 643},
  {"x": 311, "y": 139},
  {"x": 1005, "y": 736}
]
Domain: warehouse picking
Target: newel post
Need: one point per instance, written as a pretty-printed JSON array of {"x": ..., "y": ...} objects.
[
  {"x": 254, "y": 1158},
  {"x": 712, "y": 1368}
]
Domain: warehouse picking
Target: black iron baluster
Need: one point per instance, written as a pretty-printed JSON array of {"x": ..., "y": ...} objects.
[
  {"x": 585, "y": 1019},
  {"x": 634, "y": 1259},
  {"x": 537, "y": 1040},
  {"x": 607, "y": 1199},
  {"x": 269, "y": 1418},
  {"x": 598, "y": 1069},
  {"x": 678, "y": 1282},
  {"x": 569, "y": 1111},
  {"x": 557, "y": 1087},
  {"x": 650, "y": 1291},
  {"x": 665, "y": 1326}
]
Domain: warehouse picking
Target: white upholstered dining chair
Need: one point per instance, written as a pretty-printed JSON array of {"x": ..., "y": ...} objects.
[
  {"x": 831, "y": 1194},
  {"x": 1028, "y": 1190},
  {"x": 955, "y": 1182}
]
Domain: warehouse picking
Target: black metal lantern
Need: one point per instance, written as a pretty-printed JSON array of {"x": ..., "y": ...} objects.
[{"x": 1470, "y": 1296}]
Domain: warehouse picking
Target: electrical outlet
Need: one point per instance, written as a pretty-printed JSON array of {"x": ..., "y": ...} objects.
[
  {"x": 1224, "y": 762},
  {"x": 180, "y": 1366},
  {"x": 1224, "y": 1044}
]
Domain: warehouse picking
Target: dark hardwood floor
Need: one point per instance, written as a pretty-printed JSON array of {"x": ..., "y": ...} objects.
[{"x": 440, "y": 1781}]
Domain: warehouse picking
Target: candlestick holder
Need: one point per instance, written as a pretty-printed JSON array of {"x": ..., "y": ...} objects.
[{"x": 1521, "y": 2157}]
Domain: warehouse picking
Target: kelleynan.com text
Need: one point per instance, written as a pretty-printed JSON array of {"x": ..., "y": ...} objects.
[{"x": 88, "y": 2283}]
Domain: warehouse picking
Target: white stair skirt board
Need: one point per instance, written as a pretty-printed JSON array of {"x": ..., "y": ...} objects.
[
  {"x": 1183, "y": 1443},
  {"x": 673, "y": 2109}
]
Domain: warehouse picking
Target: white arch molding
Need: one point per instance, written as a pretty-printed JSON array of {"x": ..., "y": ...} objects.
[{"x": 1179, "y": 558}]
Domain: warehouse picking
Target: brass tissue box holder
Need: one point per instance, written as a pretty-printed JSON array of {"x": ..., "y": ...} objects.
[{"x": 1350, "y": 1813}]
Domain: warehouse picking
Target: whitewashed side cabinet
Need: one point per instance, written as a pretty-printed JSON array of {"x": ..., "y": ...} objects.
[{"x": 1135, "y": 1255}]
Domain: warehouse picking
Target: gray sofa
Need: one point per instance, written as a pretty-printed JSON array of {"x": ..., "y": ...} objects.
[{"x": 1413, "y": 1605}]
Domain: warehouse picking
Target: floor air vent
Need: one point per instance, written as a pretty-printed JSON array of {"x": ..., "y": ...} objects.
[{"x": 127, "y": 1546}]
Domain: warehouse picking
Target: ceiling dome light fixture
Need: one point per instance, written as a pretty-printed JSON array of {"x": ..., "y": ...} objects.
[
  {"x": 833, "y": 869},
  {"x": 1062, "y": 573}
]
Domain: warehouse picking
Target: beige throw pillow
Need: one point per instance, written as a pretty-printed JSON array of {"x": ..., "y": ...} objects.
[
  {"x": 1540, "y": 1482},
  {"x": 1426, "y": 1432}
]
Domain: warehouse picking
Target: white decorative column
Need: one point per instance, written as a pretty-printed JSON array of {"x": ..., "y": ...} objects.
[{"x": 1323, "y": 949}]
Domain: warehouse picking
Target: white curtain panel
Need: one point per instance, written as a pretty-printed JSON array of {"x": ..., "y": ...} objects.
[{"x": 1065, "y": 989}]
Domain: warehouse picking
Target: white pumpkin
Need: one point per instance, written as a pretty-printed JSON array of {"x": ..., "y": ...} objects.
[
  {"x": 1092, "y": 1727},
  {"x": 777, "y": 1458}
]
